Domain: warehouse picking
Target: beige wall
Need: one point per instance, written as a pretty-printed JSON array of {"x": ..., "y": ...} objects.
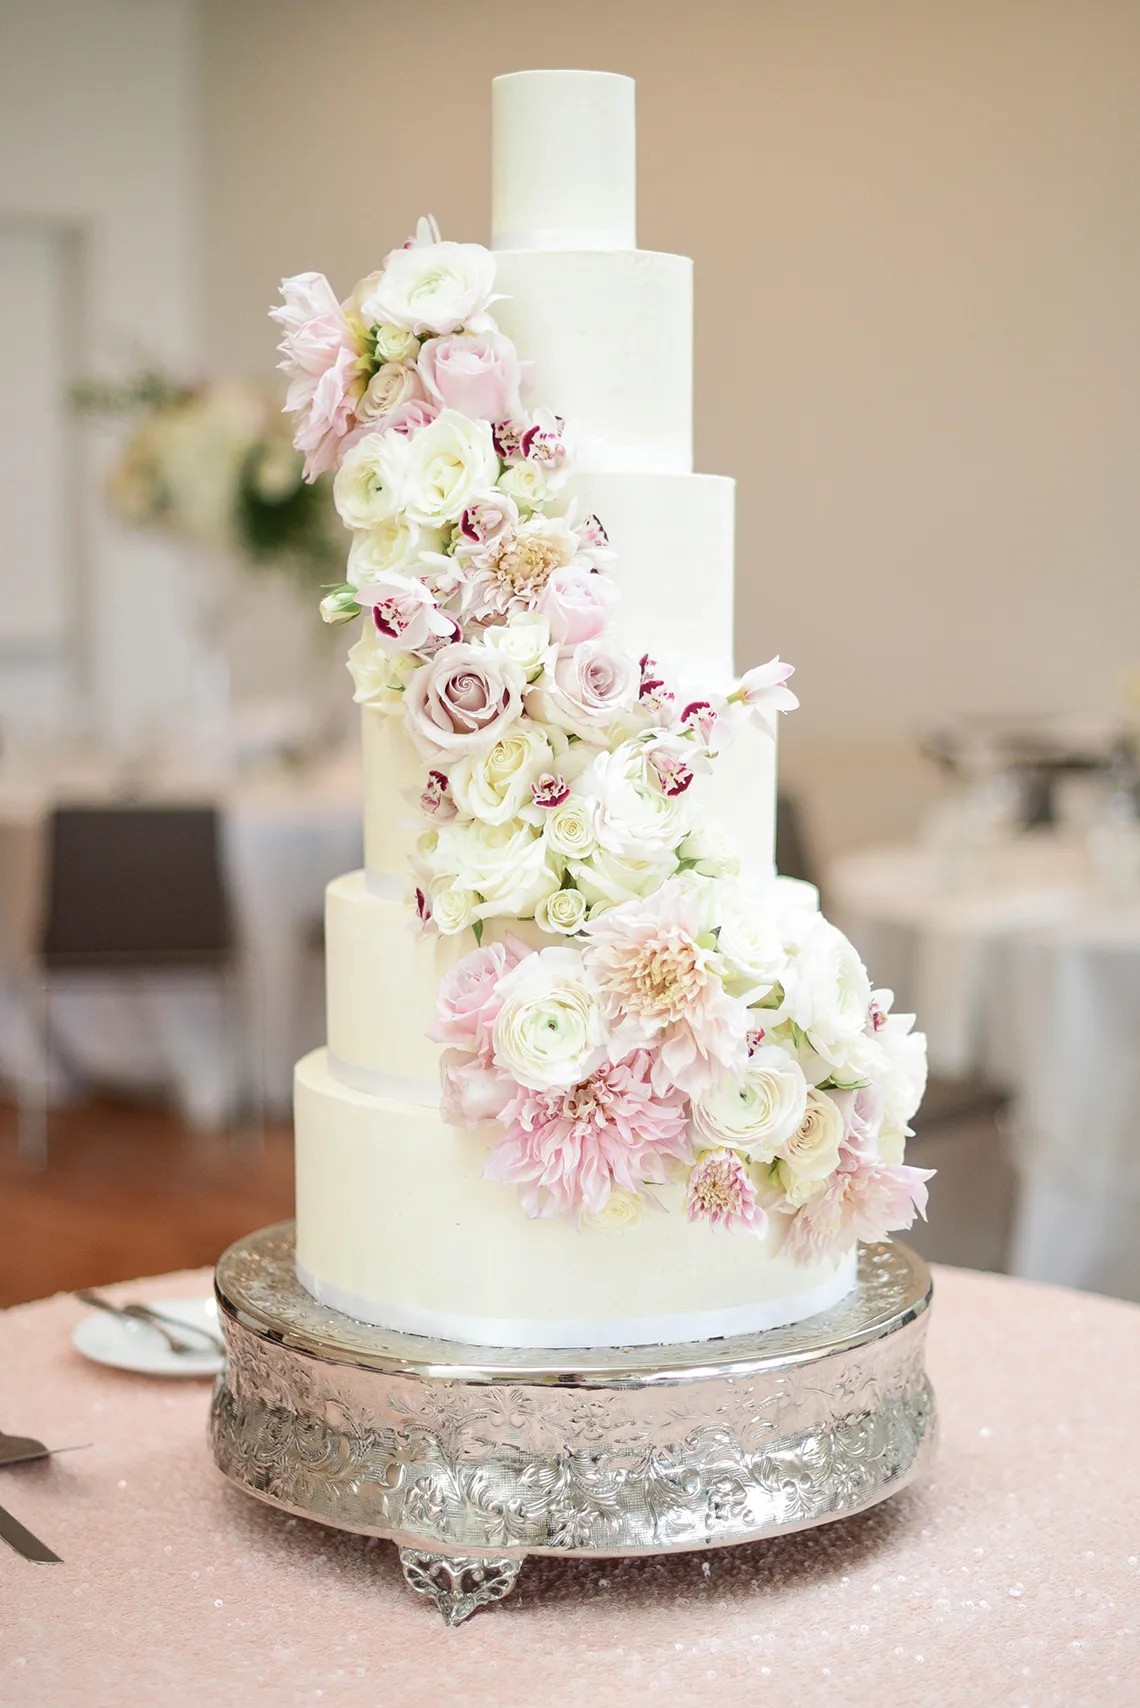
[{"x": 918, "y": 261}]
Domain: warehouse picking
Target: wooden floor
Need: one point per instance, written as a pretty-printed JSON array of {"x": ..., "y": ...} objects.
[{"x": 129, "y": 1191}]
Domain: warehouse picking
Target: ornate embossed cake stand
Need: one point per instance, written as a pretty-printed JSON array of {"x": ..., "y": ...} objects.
[{"x": 470, "y": 1458}]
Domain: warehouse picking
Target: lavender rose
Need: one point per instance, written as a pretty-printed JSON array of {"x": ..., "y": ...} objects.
[
  {"x": 462, "y": 700},
  {"x": 587, "y": 690}
]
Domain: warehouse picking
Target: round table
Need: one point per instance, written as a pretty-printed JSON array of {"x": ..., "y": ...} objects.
[
  {"x": 1029, "y": 977},
  {"x": 1011, "y": 1576}
]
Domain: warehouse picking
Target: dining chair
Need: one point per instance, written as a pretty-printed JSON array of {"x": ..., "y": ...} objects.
[{"x": 129, "y": 890}]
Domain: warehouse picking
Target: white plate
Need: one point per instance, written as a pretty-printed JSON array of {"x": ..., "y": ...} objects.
[{"x": 137, "y": 1346}]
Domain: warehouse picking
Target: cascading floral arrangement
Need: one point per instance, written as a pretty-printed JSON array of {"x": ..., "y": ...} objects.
[{"x": 680, "y": 1024}]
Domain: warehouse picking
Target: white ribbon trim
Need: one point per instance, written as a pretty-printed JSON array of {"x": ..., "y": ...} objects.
[
  {"x": 396, "y": 1087},
  {"x": 559, "y": 239},
  {"x": 586, "y": 1331}
]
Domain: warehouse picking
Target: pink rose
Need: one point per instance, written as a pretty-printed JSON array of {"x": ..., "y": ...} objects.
[
  {"x": 590, "y": 685},
  {"x": 468, "y": 999},
  {"x": 478, "y": 374},
  {"x": 462, "y": 700},
  {"x": 577, "y": 604}
]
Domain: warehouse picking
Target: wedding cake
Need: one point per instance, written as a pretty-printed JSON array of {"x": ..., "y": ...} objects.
[{"x": 595, "y": 1076}]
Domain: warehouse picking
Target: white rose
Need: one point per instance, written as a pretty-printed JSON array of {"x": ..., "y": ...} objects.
[
  {"x": 393, "y": 546},
  {"x": 758, "y": 1112},
  {"x": 549, "y": 1030},
  {"x": 757, "y": 935},
  {"x": 379, "y": 677},
  {"x": 569, "y": 828},
  {"x": 620, "y": 1210},
  {"x": 563, "y": 911},
  {"x": 811, "y": 1153},
  {"x": 525, "y": 637},
  {"x": 432, "y": 287},
  {"x": 452, "y": 909},
  {"x": 528, "y": 484},
  {"x": 827, "y": 993},
  {"x": 390, "y": 386},
  {"x": 506, "y": 864},
  {"x": 606, "y": 880},
  {"x": 712, "y": 850},
  {"x": 395, "y": 343},
  {"x": 495, "y": 786},
  {"x": 368, "y": 488},
  {"x": 446, "y": 464},
  {"x": 635, "y": 819}
]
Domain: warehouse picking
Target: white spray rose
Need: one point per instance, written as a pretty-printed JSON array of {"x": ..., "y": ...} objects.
[
  {"x": 758, "y": 1112},
  {"x": 394, "y": 343},
  {"x": 525, "y": 637},
  {"x": 452, "y": 909},
  {"x": 563, "y": 911},
  {"x": 811, "y": 1153},
  {"x": 445, "y": 466},
  {"x": 432, "y": 287},
  {"x": 620, "y": 1210},
  {"x": 495, "y": 786},
  {"x": 569, "y": 828},
  {"x": 368, "y": 488},
  {"x": 549, "y": 1030},
  {"x": 394, "y": 545}
]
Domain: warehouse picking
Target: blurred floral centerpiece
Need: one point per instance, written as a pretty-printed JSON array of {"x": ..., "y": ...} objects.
[{"x": 214, "y": 466}]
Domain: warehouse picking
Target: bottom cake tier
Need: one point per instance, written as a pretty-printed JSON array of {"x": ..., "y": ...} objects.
[{"x": 396, "y": 1226}]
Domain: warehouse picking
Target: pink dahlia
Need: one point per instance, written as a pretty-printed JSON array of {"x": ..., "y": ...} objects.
[
  {"x": 469, "y": 995},
  {"x": 567, "y": 1150},
  {"x": 721, "y": 1191},
  {"x": 323, "y": 367},
  {"x": 865, "y": 1202},
  {"x": 660, "y": 979}
]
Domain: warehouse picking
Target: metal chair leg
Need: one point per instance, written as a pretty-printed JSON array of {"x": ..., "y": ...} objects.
[{"x": 33, "y": 1085}]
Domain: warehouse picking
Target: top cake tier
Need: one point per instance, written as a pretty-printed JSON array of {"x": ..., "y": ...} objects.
[{"x": 564, "y": 171}]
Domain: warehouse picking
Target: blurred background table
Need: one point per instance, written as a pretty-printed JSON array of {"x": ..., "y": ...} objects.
[
  {"x": 1010, "y": 1576},
  {"x": 1025, "y": 974}
]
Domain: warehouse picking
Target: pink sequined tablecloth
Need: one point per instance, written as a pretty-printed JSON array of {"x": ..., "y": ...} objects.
[{"x": 1012, "y": 1576}]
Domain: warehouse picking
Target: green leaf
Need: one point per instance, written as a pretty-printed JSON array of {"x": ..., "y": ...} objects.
[{"x": 477, "y": 932}]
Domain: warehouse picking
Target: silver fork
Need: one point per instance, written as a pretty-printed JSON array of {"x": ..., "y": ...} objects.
[{"x": 175, "y": 1337}]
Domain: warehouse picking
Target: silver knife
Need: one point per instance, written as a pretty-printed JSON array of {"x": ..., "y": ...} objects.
[{"x": 14, "y": 1533}]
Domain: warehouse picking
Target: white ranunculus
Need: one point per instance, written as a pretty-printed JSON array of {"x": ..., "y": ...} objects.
[
  {"x": 713, "y": 850},
  {"x": 446, "y": 465},
  {"x": 395, "y": 343},
  {"x": 811, "y": 1153},
  {"x": 757, "y": 935},
  {"x": 525, "y": 637},
  {"x": 606, "y": 880},
  {"x": 368, "y": 488},
  {"x": 379, "y": 677},
  {"x": 569, "y": 829},
  {"x": 393, "y": 546},
  {"x": 620, "y": 1210},
  {"x": 636, "y": 819},
  {"x": 827, "y": 993},
  {"x": 758, "y": 1112},
  {"x": 452, "y": 909},
  {"x": 563, "y": 911},
  {"x": 432, "y": 287},
  {"x": 903, "y": 1079},
  {"x": 549, "y": 1030},
  {"x": 495, "y": 786}
]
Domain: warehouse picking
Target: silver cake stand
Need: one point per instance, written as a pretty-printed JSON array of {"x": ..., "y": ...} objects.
[{"x": 471, "y": 1458}]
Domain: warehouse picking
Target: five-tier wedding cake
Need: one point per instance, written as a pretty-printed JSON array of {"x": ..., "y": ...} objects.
[{"x": 595, "y": 1076}]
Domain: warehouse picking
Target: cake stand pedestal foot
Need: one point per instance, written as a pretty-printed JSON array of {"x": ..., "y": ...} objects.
[{"x": 459, "y": 1584}]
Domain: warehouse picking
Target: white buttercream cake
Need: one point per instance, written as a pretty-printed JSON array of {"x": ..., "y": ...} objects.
[{"x": 594, "y": 1074}]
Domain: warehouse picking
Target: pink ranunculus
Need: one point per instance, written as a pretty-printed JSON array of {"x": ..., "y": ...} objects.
[
  {"x": 865, "y": 1202},
  {"x": 577, "y": 604},
  {"x": 567, "y": 1149},
  {"x": 323, "y": 367},
  {"x": 468, "y": 999},
  {"x": 478, "y": 374},
  {"x": 462, "y": 700},
  {"x": 720, "y": 1190},
  {"x": 590, "y": 685},
  {"x": 470, "y": 1091},
  {"x": 404, "y": 614}
]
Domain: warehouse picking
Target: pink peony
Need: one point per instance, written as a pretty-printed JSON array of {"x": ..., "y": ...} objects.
[
  {"x": 567, "y": 1150},
  {"x": 659, "y": 979},
  {"x": 865, "y": 1201},
  {"x": 469, "y": 998},
  {"x": 577, "y": 604},
  {"x": 323, "y": 368},
  {"x": 478, "y": 374},
  {"x": 462, "y": 700},
  {"x": 720, "y": 1191}
]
